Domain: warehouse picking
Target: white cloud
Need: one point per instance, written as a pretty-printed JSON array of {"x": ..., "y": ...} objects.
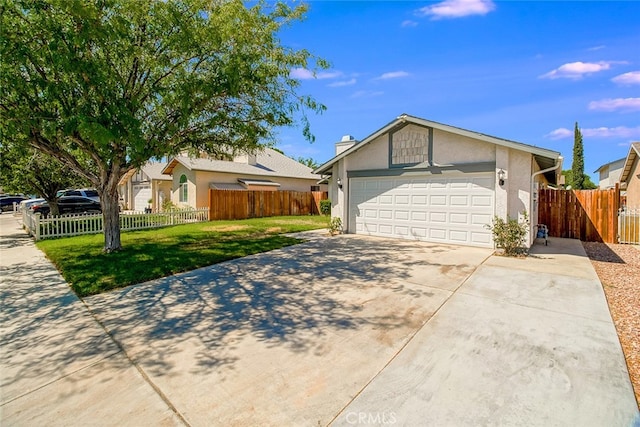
[
  {"x": 409, "y": 23},
  {"x": 560, "y": 133},
  {"x": 366, "y": 94},
  {"x": 457, "y": 8},
  {"x": 630, "y": 78},
  {"x": 304, "y": 74},
  {"x": 624, "y": 104},
  {"x": 343, "y": 83},
  {"x": 594, "y": 48},
  {"x": 576, "y": 70},
  {"x": 601, "y": 132},
  {"x": 392, "y": 75}
]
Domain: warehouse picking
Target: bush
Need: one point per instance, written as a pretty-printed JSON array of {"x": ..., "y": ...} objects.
[
  {"x": 335, "y": 226},
  {"x": 168, "y": 205},
  {"x": 510, "y": 235},
  {"x": 325, "y": 207}
]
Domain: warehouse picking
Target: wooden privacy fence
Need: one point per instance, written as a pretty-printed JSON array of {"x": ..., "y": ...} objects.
[
  {"x": 241, "y": 204},
  {"x": 588, "y": 215}
]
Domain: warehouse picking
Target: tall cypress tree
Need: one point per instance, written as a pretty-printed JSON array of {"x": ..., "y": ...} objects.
[{"x": 577, "y": 167}]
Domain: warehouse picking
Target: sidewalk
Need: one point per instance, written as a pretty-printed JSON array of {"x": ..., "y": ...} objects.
[{"x": 57, "y": 364}]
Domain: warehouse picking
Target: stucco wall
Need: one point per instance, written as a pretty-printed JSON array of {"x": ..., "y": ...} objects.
[
  {"x": 374, "y": 155},
  {"x": 178, "y": 171},
  {"x": 633, "y": 186},
  {"x": 449, "y": 148}
]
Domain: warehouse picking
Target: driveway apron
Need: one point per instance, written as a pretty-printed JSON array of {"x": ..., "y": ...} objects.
[{"x": 287, "y": 337}]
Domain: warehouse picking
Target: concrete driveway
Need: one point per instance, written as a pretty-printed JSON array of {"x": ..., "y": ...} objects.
[
  {"x": 289, "y": 337},
  {"x": 345, "y": 331}
]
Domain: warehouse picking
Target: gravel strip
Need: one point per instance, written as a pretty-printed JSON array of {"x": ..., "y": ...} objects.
[{"x": 618, "y": 267}]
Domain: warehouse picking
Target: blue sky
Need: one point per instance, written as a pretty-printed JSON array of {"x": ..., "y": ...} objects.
[{"x": 520, "y": 70}]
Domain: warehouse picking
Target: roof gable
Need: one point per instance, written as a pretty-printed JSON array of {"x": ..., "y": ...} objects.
[
  {"x": 544, "y": 156},
  {"x": 269, "y": 162},
  {"x": 612, "y": 165},
  {"x": 634, "y": 153}
]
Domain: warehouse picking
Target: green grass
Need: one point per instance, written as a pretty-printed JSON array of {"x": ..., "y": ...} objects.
[{"x": 150, "y": 254}]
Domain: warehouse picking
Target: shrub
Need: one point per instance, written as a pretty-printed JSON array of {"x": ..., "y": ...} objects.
[
  {"x": 335, "y": 226},
  {"x": 168, "y": 205},
  {"x": 510, "y": 235},
  {"x": 325, "y": 207}
]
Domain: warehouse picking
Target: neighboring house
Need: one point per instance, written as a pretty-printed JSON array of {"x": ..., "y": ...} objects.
[
  {"x": 421, "y": 180},
  {"x": 268, "y": 170},
  {"x": 630, "y": 176},
  {"x": 139, "y": 186},
  {"x": 609, "y": 174}
]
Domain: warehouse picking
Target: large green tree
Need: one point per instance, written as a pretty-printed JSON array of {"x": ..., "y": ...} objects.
[
  {"x": 577, "y": 166},
  {"x": 587, "y": 184},
  {"x": 124, "y": 81},
  {"x": 29, "y": 171}
]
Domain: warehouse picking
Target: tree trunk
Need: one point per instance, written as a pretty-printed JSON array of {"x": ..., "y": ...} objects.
[
  {"x": 53, "y": 206},
  {"x": 111, "y": 218}
]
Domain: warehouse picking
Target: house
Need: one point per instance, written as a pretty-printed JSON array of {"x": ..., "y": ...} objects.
[
  {"x": 422, "y": 180},
  {"x": 609, "y": 174},
  {"x": 138, "y": 186},
  {"x": 630, "y": 176},
  {"x": 267, "y": 170}
]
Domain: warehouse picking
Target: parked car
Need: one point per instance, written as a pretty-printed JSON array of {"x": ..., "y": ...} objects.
[
  {"x": 6, "y": 203},
  {"x": 26, "y": 204},
  {"x": 69, "y": 204},
  {"x": 84, "y": 192}
]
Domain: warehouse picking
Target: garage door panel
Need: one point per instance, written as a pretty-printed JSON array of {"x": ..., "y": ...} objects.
[
  {"x": 459, "y": 201},
  {"x": 459, "y": 218},
  {"x": 459, "y": 236},
  {"x": 438, "y": 200},
  {"x": 402, "y": 215},
  {"x": 449, "y": 210},
  {"x": 486, "y": 201},
  {"x": 401, "y": 199},
  {"x": 420, "y": 199},
  {"x": 418, "y": 215},
  {"x": 440, "y": 217}
]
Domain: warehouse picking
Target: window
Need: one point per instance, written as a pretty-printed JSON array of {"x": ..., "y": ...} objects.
[
  {"x": 315, "y": 188},
  {"x": 183, "y": 189}
]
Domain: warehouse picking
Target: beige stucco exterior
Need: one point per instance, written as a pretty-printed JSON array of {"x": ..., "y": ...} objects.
[
  {"x": 512, "y": 199},
  {"x": 199, "y": 183},
  {"x": 633, "y": 186}
]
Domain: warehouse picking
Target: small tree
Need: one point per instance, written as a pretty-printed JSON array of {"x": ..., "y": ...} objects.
[
  {"x": 510, "y": 235},
  {"x": 587, "y": 184},
  {"x": 28, "y": 171},
  {"x": 577, "y": 167}
]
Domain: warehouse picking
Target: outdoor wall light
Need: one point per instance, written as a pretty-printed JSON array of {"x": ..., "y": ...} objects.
[
  {"x": 339, "y": 182},
  {"x": 501, "y": 175}
]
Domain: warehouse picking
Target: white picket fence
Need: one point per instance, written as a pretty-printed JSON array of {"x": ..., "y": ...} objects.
[
  {"x": 77, "y": 224},
  {"x": 629, "y": 226}
]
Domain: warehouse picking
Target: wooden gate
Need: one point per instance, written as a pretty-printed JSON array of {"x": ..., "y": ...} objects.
[{"x": 588, "y": 215}]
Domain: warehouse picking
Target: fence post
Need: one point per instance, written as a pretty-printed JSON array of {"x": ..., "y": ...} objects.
[{"x": 37, "y": 225}]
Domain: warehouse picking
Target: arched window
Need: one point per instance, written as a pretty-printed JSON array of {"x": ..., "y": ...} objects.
[{"x": 183, "y": 189}]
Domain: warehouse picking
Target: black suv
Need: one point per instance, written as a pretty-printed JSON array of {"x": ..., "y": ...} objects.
[
  {"x": 6, "y": 202},
  {"x": 69, "y": 204}
]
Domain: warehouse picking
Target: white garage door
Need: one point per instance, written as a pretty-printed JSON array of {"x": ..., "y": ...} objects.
[
  {"x": 433, "y": 209},
  {"x": 141, "y": 196}
]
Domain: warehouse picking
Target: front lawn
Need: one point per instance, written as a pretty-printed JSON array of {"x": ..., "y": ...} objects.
[{"x": 150, "y": 254}]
